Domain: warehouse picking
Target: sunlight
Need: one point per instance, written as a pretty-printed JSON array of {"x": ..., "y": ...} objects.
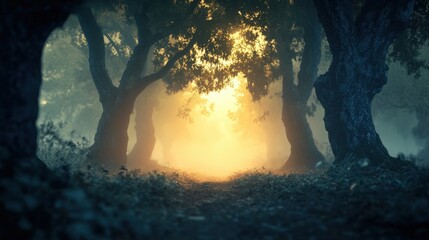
[
  {"x": 218, "y": 133},
  {"x": 212, "y": 144},
  {"x": 226, "y": 99}
]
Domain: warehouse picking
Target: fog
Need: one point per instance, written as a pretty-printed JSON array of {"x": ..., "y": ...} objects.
[
  {"x": 213, "y": 141},
  {"x": 219, "y": 133}
]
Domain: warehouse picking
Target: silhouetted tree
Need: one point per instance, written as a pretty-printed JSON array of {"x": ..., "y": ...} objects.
[
  {"x": 145, "y": 131},
  {"x": 295, "y": 34},
  {"x": 25, "y": 26},
  {"x": 304, "y": 153},
  {"x": 174, "y": 34},
  {"x": 407, "y": 51},
  {"x": 359, "y": 47}
]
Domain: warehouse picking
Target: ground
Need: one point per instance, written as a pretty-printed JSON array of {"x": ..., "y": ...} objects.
[
  {"x": 375, "y": 203},
  {"x": 366, "y": 203}
]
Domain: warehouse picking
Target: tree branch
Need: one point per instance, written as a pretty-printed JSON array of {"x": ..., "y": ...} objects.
[
  {"x": 146, "y": 80},
  {"x": 336, "y": 16},
  {"x": 144, "y": 29},
  {"x": 311, "y": 54},
  {"x": 384, "y": 18},
  {"x": 97, "y": 58},
  {"x": 116, "y": 47}
]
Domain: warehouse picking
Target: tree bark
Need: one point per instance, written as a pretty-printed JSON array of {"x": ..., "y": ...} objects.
[
  {"x": 145, "y": 132},
  {"x": 348, "y": 117},
  {"x": 304, "y": 155},
  {"x": 140, "y": 155},
  {"x": 24, "y": 28},
  {"x": 111, "y": 140},
  {"x": 357, "y": 72}
]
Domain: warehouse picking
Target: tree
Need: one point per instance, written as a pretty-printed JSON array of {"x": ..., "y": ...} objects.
[
  {"x": 359, "y": 47},
  {"x": 304, "y": 153},
  {"x": 410, "y": 50},
  {"x": 24, "y": 29},
  {"x": 295, "y": 34},
  {"x": 406, "y": 93},
  {"x": 145, "y": 129},
  {"x": 175, "y": 34}
]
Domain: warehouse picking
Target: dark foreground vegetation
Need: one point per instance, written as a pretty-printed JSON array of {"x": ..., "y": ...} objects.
[
  {"x": 364, "y": 203},
  {"x": 358, "y": 200}
]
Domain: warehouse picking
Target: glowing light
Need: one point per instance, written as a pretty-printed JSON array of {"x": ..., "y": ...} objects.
[
  {"x": 225, "y": 99},
  {"x": 210, "y": 145},
  {"x": 216, "y": 144},
  {"x": 43, "y": 102}
]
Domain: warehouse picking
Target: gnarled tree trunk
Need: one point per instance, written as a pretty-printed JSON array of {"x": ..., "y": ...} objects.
[
  {"x": 304, "y": 153},
  {"x": 23, "y": 31},
  {"x": 347, "y": 101},
  {"x": 111, "y": 139},
  {"x": 357, "y": 72}
]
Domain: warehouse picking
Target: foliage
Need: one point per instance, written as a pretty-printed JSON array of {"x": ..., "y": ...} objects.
[
  {"x": 58, "y": 152},
  {"x": 132, "y": 189},
  {"x": 93, "y": 203},
  {"x": 205, "y": 65},
  {"x": 407, "y": 48}
]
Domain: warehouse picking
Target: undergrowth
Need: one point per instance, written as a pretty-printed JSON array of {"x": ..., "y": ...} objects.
[{"x": 80, "y": 201}]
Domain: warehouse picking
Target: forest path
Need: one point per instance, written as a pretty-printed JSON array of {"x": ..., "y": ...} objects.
[
  {"x": 218, "y": 210},
  {"x": 203, "y": 198},
  {"x": 265, "y": 206},
  {"x": 374, "y": 204}
]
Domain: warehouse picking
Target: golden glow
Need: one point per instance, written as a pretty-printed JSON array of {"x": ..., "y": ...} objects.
[
  {"x": 210, "y": 145},
  {"x": 225, "y": 99},
  {"x": 227, "y": 138},
  {"x": 216, "y": 144},
  {"x": 241, "y": 46}
]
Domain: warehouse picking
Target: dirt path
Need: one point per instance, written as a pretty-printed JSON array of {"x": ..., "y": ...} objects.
[
  {"x": 344, "y": 205},
  {"x": 297, "y": 207}
]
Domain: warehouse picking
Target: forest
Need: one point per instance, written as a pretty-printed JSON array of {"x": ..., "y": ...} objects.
[{"x": 214, "y": 119}]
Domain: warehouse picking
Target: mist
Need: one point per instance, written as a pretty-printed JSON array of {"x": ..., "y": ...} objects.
[
  {"x": 217, "y": 134},
  {"x": 214, "y": 119}
]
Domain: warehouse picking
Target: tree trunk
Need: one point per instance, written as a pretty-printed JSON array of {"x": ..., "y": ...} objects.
[
  {"x": 111, "y": 139},
  {"x": 347, "y": 102},
  {"x": 304, "y": 153},
  {"x": 141, "y": 154},
  {"x": 357, "y": 73},
  {"x": 23, "y": 31},
  {"x": 24, "y": 28}
]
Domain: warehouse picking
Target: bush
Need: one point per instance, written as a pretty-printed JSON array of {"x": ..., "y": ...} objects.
[{"x": 56, "y": 151}]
